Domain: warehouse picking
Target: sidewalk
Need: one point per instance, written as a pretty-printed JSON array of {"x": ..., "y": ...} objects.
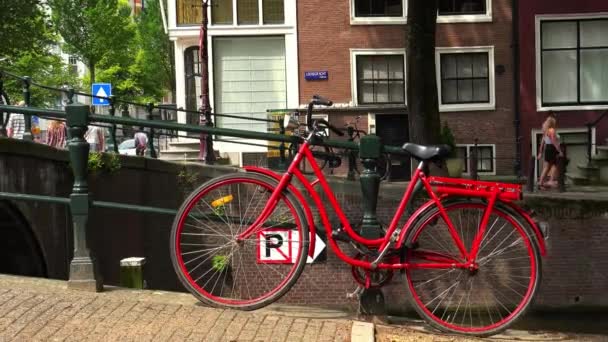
[{"x": 34, "y": 309}]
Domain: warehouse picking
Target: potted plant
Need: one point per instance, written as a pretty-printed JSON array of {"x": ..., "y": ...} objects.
[{"x": 454, "y": 164}]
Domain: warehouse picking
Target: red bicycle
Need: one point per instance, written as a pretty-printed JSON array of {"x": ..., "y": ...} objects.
[{"x": 471, "y": 256}]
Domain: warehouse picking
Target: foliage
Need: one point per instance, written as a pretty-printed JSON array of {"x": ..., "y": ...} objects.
[
  {"x": 45, "y": 68},
  {"x": 187, "y": 180},
  {"x": 103, "y": 162},
  {"x": 24, "y": 27},
  {"x": 447, "y": 138},
  {"x": 220, "y": 262},
  {"x": 94, "y": 30}
]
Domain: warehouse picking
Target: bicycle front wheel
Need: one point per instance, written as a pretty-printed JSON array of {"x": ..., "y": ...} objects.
[
  {"x": 221, "y": 270},
  {"x": 482, "y": 301}
]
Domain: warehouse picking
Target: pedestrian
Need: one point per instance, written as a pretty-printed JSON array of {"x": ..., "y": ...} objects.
[
  {"x": 96, "y": 138},
  {"x": 56, "y": 134},
  {"x": 141, "y": 142},
  {"x": 16, "y": 124},
  {"x": 549, "y": 151}
]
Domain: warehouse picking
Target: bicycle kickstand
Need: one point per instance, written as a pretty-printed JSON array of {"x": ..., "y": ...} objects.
[{"x": 356, "y": 293}]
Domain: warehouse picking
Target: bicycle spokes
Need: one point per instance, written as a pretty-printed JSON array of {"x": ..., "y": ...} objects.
[{"x": 485, "y": 294}]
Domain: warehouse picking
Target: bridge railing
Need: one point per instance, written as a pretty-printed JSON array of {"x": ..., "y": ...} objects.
[{"x": 83, "y": 269}]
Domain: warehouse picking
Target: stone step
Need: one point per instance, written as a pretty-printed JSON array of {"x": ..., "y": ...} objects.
[
  {"x": 577, "y": 179},
  {"x": 589, "y": 171},
  {"x": 602, "y": 151}
]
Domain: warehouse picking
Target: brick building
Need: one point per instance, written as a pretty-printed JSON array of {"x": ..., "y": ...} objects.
[
  {"x": 260, "y": 51},
  {"x": 563, "y": 53},
  {"x": 362, "y": 46}
]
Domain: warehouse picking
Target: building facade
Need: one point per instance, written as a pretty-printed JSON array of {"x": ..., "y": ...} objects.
[
  {"x": 362, "y": 45},
  {"x": 262, "y": 50},
  {"x": 253, "y": 62},
  {"x": 564, "y": 71}
]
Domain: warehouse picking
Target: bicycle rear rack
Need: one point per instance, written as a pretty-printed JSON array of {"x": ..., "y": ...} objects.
[{"x": 472, "y": 188}]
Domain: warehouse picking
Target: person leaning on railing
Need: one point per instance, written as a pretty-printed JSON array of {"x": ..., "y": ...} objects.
[
  {"x": 16, "y": 124},
  {"x": 56, "y": 134}
]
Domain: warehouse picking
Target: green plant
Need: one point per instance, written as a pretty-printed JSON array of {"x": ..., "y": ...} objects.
[
  {"x": 220, "y": 262},
  {"x": 187, "y": 180},
  {"x": 103, "y": 162},
  {"x": 447, "y": 138}
]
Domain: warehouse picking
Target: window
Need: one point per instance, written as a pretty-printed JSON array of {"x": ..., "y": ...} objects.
[
  {"x": 465, "y": 78},
  {"x": 221, "y": 12},
  {"x": 378, "y": 11},
  {"x": 460, "y": 7},
  {"x": 193, "y": 81},
  {"x": 247, "y": 12},
  {"x": 573, "y": 55},
  {"x": 485, "y": 157},
  {"x": 73, "y": 64},
  {"x": 379, "y": 78}
]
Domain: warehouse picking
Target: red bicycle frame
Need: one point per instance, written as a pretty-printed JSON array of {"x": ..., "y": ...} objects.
[{"x": 394, "y": 236}]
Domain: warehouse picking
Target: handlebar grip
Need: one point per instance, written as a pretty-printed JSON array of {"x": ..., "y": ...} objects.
[
  {"x": 332, "y": 128},
  {"x": 320, "y": 100}
]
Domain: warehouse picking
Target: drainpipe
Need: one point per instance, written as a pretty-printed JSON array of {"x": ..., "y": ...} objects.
[{"x": 516, "y": 84}]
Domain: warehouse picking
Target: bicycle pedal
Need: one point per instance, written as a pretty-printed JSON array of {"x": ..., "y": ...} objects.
[{"x": 340, "y": 235}]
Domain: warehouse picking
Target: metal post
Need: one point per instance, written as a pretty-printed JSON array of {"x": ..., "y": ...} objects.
[
  {"x": 562, "y": 163},
  {"x": 70, "y": 94},
  {"x": 205, "y": 103},
  {"x": 282, "y": 160},
  {"x": 151, "y": 152},
  {"x": 27, "y": 98},
  {"x": 3, "y": 116},
  {"x": 371, "y": 301},
  {"x": 531, "y": 174},
  {"x": 84, "y": 274},
  {"x": 589, "y": 139},
  {"x": 352, "y": 156},
  {"x": 474, "y": 159},
  {"x": 113, "y": 126}
]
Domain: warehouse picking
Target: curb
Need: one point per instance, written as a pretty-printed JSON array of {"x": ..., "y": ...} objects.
[{"x": 362, "y": 332}]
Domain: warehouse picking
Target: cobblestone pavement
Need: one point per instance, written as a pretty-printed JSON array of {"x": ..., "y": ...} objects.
[
  {"x": 33, "y": 309},
  {"x": 44, "y": 310}
]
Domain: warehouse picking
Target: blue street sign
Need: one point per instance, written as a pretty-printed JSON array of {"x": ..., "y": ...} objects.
[
  {"x": 102, "y": 90},
  {"x": 316, "y": 75}
]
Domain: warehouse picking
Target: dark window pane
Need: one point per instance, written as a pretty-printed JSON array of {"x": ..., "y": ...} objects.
[
  {"x": 189, "y": 12},
  {"x": 247, "y": 12},
  {"x": 464, "y": 78},
  {"x": 485, "y": 158},
  {"x": 378, "y": 8},
  {"x": 380, "y": 79},
  {"x": 274, "y": 11},
  {"x": 458, "y": 7},
  {"x": 221, "y": 12}
]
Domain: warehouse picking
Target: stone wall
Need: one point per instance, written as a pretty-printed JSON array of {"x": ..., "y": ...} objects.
[{"x": 574, "y": 272}]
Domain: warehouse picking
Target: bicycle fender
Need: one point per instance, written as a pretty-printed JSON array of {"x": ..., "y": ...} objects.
[
  {"x": 532, "y": 223},
  {"x": 299, "y": 196},
  {"x": 411, "y": 220}
]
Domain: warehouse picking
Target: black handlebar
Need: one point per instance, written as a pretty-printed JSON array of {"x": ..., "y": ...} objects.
[
  {"x": 320, "y": 100},
  {"x": 332, "y": 128},
  {"x": 316, "y": 101}
]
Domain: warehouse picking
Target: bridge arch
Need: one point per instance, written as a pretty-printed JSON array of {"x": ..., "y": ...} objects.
[{"x": 20, "y": 252}]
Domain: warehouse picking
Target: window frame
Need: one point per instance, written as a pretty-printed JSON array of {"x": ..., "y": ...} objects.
[
  {"x": 467, "y": 18},
  {"x": 540, "y": 104},
  {"x": 375, "y": 52},
  {"x": 354, "y": 20},
  {"x": 260, "y": 23},
  {"x": 467, "y": 166},
  {"x": 485, "y": 106}
]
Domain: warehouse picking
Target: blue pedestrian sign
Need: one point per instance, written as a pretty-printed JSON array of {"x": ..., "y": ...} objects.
[{"x": 101, "y": 90}]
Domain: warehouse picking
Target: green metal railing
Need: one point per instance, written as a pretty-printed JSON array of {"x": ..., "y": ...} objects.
[{"x": 83, "y": 270}]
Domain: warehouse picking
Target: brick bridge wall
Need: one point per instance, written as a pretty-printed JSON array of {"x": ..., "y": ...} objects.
[{"x": 574, "y": 273}]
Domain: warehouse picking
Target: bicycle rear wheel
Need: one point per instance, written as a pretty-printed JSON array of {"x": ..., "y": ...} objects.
[
  {"x": 478, "y": 302},
  {"x": 223, "y": 272}
]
